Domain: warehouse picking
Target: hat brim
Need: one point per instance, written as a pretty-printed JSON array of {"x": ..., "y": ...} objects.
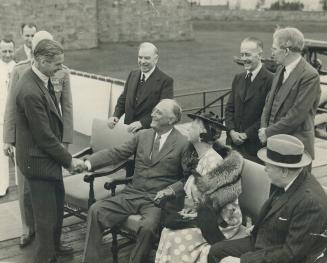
[
  {"x": 305, "y": 160},
  {"x": 218, "y": 124}
]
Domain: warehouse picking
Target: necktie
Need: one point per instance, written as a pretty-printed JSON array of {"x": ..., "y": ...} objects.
[
  {"x": 53, "y": 95},
  {"x": 140, "y": 87},
  {"x": 155, "y": 148},
  {"x": 247, "y": 83}
]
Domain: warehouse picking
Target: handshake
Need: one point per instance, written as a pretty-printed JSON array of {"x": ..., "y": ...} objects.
[{"x": 77, "y": 166}]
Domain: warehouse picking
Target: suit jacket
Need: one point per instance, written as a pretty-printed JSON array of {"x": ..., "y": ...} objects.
[
  {"x": 283, "y": 232},
  {"x": 61, "y": 83},
  {"x": 20, "y": 54},
  {"x": 157, "y": 87},
  {"x": 39, "y": 128},
  {"x": 293, "y": 109},
  {"x": 150, "y": 176},
  {"x": 243, "y": 114}
]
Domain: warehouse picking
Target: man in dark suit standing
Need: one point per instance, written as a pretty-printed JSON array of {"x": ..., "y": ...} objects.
[
  {"x": 294, "y": 97},
  {"x": 24, "y": 52},
  {"x": 290, "y": 220},
  {"x": 40, "y": 153},
  {"x": 143, "y": 89},
  {"x": 247, "y": 99},
  {"x": 158, "y": 172}
]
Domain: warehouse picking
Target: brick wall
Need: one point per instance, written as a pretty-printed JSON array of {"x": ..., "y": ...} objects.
[{"x": 139, "y": 20}]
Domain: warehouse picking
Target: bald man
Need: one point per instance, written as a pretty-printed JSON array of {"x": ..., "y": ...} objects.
[{"x": 143, "y": 90}]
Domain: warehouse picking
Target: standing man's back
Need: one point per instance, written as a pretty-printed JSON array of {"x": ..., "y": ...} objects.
[{"x": 144, "y": 88}]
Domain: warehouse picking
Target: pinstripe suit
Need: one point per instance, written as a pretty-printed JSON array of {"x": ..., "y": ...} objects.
[
  {"x": 282, "y": 232},
  {"x": 40, "y": 156}
]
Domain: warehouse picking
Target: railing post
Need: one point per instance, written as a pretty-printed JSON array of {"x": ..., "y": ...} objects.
[
  {"x": 204, "y": 101},
  {"x": 222, "y": 108}
]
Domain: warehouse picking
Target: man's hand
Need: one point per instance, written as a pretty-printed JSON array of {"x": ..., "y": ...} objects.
[
  {"x": 262, "y": 135},
  {"x": 230, "y": 260},
  {"x": 112, "y": 121},
  {"x": 237, "y": 137},
  {"x": 163, "y": 193},
  {"x": 77, "y": 166},
  {"x": 66, "y": 145},
  {"x": 134, "y": 126},
  {"x": 8, "y": 149}
]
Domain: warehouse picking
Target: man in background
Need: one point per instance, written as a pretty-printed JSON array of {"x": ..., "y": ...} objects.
[
  {"x": 24, "y": 52},
  {"x": 143, "y": 90},
  {"x": 294, "y": 97},
  {"x": 247, "y": 99}
]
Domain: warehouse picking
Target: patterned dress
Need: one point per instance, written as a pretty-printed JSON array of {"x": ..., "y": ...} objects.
[{"x": 188, "y": 245}]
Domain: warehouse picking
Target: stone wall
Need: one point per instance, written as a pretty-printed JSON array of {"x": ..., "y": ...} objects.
[
  {"x": 140, "y": 20},
  {"x": 72, "y": 22},
  {"x": 216, "y": 13},
  {"x": 79, "y": 24}
]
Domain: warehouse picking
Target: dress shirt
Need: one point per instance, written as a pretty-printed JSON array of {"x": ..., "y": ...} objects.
[
  {"x": 147, "y": 74},
  {"x": 289, "y": 68},
  {"x": 254, "y": 72},
  {"x": 28, "y": 52}
]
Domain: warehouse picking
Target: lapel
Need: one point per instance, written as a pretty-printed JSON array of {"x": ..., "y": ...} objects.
[
  {"x": 289, "y": 83},
  {"x": 256, "y": 84},
  {"x": 50, "y": 102},
  {"x": 150, "y": 84},
  {"x": 166, "y": 148},
  {"x": 147, "y": 145},
  {"x": 273, "y": 90},
  {"x": 285, "y": 197},
  {"x": 133, "y": 86}
]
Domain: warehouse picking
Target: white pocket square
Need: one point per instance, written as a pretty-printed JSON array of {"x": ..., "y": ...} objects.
[{"x": 282, "y": 218}]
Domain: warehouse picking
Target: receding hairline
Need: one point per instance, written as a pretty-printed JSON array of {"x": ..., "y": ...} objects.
[
  {"x": 149, "y": 45},
  {"x": 257, "y": 41},
  {"x": 29, "y": 25}
]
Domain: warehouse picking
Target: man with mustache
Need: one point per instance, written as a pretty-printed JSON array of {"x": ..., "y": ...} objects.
[
  {"x": 144, "y": 88},
  {"x": 245, "y": 103}
]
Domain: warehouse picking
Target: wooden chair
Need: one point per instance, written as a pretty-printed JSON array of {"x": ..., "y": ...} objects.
[{"x": 82, "y": 190}]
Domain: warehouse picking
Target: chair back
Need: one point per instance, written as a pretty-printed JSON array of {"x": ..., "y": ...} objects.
[
  {"x": 255, "y": 188},
  {"x": 105, "y": 138}
]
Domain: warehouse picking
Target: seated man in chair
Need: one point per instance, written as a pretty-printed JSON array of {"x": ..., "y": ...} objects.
[{"x": 158, "y": 172}]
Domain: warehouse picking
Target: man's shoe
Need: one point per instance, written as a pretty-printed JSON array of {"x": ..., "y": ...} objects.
[
  {"x": 25, "y": 240},
  {"x": 64, "y": 250}
]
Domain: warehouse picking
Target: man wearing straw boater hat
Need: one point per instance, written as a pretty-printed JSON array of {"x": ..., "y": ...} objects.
[{"x": 291, "y": 219}]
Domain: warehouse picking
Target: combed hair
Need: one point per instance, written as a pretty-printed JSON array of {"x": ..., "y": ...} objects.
[
  {"x": 175, "y": 108},
  {"x": 290, "y": 37},
  {"x": 155, "y": 49},
  {"x": 30, "y": 25},
  {"x": 48, "y": 48},
  {"x": 258, "y": 42},
  {"x": 7, "y": 39}
]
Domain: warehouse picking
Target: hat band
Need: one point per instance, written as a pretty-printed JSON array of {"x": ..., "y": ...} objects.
[{"x": 283, "y": 158}]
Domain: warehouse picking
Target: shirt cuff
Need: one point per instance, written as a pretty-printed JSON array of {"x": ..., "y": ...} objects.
[{"x": 88, "y": 165}]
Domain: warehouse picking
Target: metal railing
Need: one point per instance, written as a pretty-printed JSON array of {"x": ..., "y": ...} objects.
[{"x": 219, "y": 102}]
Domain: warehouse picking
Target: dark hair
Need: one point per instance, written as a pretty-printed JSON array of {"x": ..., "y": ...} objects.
[
  {"x": 213, "y": 133},
  {"x": 8, "y": 39},
  {"x": 30, "y": 25},
  {"x": 47, "y": 48}
]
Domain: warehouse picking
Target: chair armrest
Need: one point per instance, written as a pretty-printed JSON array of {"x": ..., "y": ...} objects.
[
  {"x": 89, "y": 177},
  {"x": 83, "y": 152},
  {"x": 115, "y": 182}
]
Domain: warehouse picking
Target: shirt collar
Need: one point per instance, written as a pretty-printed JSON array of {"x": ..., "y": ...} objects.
[
  {"x": 290, "y": 183},
  {"x": 163, "y": 138},
  {"x": 148, "y": 74},
  {"x": 28, "y": 51},
  {"x": 43, "y": 77},
  {"x": 290, "y": 67},
  {"x": 255, "y": 71}
]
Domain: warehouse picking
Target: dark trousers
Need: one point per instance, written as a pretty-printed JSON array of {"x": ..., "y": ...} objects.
[
  {"x": 114, "y": 211},
  {"x": 234, "y": 248},
  {"x": 48, "y": 206}
]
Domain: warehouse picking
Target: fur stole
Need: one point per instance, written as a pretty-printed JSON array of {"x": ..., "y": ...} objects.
[{"x": 222, "y": 184}]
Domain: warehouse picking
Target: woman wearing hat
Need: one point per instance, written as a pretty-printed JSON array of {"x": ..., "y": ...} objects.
[{"x": 211, "y": 211}]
